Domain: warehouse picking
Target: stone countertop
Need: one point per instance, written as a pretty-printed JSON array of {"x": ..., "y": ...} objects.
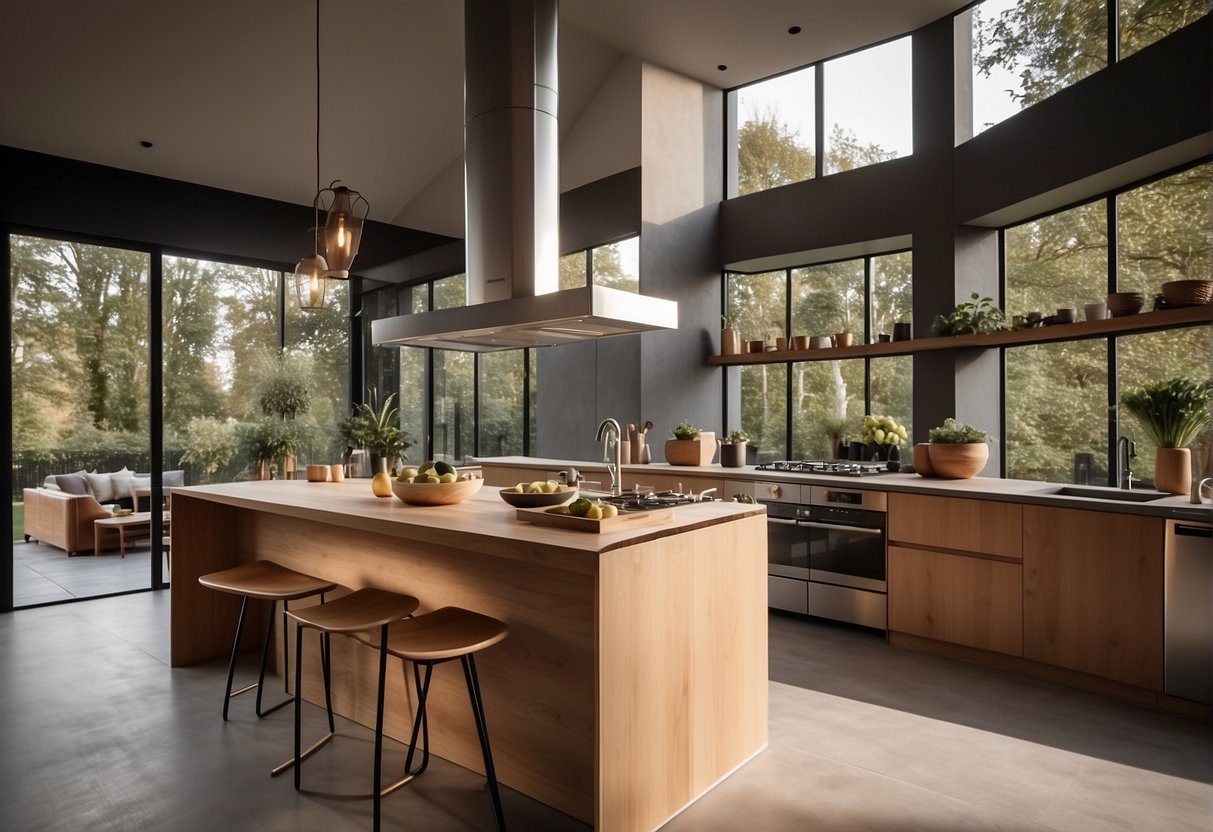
[{"x": 1031, "y": 492}]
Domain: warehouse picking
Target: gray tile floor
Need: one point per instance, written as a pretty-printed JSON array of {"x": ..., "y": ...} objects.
[
  {"x": 100, "y": 734},
  {"x": 44, "y": 574}
]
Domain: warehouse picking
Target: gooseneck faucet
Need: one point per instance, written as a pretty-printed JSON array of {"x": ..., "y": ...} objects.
[
  {"x": 1126, "y": 449},
  {"x": 608, "y": 434}
]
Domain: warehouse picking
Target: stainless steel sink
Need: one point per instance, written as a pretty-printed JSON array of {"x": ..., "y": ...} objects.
[{"x": 1122, "y": 495}]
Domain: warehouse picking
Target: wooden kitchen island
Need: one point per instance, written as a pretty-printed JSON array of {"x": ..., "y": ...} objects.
[{"x": 635, "y": 674}]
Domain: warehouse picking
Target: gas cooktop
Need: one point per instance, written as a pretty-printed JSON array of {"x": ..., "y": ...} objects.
[
  {"x": 834, "y": 467},
  {"x": 649, "y": 500}
]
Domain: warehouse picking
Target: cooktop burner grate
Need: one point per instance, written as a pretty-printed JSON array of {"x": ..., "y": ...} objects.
[{"x": 835, "y": 467}]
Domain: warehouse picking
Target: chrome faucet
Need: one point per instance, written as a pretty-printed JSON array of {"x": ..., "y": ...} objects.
[
  {"x": 608, "y": 434},
  {"x": 1126, "y": 449}
]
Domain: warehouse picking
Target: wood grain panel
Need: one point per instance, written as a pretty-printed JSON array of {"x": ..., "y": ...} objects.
[
  {"x": 203, "y": 621},
  {"x": 1093, "y": 593},
  {"x": 963, "y": 600},
  {"x": 682, "y": 659},
  {"x": 986, "y": 526}
]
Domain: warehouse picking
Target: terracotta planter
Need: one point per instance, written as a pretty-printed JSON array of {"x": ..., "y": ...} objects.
[
  {"x": 1173, "y": 470},
  {"x": 732, "y": 456},
  {"x": 958, "y": 461},
  {"x": 922, "y": 459},
  {"x": 691, "y": 451}
]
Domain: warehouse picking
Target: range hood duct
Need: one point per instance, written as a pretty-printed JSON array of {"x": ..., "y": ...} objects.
[{"x": 511, "y": 183}]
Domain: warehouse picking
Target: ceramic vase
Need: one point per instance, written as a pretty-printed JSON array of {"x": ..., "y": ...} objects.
[{"x": 1173, "y": 470}]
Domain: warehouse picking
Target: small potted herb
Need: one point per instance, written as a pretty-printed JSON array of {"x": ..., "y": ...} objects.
[
  {"x": 978, "y": 315},
  {"x": 690, "y": 445},
  {"x": 733, "y": 449},
  {"x": 957, "y": 451}
]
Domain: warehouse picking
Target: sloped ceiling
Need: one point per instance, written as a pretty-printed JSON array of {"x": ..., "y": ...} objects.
[{"x": 225, "y": 90}]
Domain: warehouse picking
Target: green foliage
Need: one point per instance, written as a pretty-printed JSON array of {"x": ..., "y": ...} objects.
[
  {"x": 953, "y": 432},
  {"x": 1173, "y": 411},
  {"x": 735, "y": 437},
  {"x": 769, "y": 154},
  {"x": 375, "y": 426},
  {"x": 269, "y": 439},
  {"x": 979, "y": 315},
  {"x": 685, "y": 430},
  {"x": 210, "y": 444}
]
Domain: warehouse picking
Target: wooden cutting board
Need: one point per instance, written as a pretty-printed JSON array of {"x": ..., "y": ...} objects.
[{"x": 559, "y": 517}]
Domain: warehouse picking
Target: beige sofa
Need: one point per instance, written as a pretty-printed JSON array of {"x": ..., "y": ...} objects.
[{"x": 61, "y": 519}]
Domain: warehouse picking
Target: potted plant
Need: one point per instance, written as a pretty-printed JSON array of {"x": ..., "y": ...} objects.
[
  {"x": 978, "y": 315},
  {"x": 690, "y": 445},
  {"x": 730, "y": 338},
  {"x": 884, "y": 436},
  {"x": 263, "y": 442},
  {"x": 374, "y": 427},
  {"x": 733, "y": 449},
  {"x": 286, "y": 394},
  {"x": 957, "y": 451},
  {"x": 1172, "y": 412}
]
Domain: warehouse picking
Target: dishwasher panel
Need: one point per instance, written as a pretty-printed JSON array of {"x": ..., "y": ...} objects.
[{"x": 1188, "y": 611}]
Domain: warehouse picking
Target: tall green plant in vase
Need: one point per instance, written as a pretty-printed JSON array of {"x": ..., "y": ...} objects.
[
  {"x": 374, "y": 426},
  {"x": 1173, "y": 413}
]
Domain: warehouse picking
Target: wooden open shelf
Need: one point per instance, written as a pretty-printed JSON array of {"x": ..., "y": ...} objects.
[{"x": 1142, "y": 322}]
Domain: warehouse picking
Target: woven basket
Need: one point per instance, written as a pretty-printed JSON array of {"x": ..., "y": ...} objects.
[{"x": 1187, "y": 292}]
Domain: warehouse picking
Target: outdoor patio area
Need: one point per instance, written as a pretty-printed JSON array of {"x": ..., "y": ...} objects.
[{"x": 43, "y": 574}]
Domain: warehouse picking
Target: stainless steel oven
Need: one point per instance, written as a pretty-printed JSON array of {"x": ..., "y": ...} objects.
[{"x": 826, "y": 551}]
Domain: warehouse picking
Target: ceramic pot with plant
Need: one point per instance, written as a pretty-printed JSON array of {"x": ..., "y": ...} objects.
[
  {"x": 374, "y": 427},
  {"x": 690, "y": 445},
  {"x": 958, "y": 451},
  {"x": 733, "y": 449},
  {"x": 1173, "y": 413}
]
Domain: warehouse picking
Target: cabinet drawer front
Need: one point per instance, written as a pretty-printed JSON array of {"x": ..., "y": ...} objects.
[
  {"x": 962, "y": 600},
  {"x": 984, "y": 526}
]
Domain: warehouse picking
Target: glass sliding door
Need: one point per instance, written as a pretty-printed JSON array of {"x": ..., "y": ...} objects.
[{"x": 79, "y": 364}]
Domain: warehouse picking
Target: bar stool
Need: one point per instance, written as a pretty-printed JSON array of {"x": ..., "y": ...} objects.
[
  {"x": 360, "y": 610},
  {"x": 267, "y": 581},
  {"x": 437, "y": 637}
]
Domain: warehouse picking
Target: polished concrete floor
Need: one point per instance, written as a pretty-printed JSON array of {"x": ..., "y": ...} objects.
[{"x": 99, "y": 734}]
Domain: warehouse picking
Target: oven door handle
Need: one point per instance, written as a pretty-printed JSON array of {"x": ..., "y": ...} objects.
[
  {"x": 785, "y": 521},
  {"x": 812, "y": 524}
]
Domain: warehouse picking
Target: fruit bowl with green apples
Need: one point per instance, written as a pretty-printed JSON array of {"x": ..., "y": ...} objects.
[
  {"x": 435, "y": 483},
  {"x": 538, "y": 494}
]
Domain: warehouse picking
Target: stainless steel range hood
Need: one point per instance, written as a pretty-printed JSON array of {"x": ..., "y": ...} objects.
[{"x": 511, "y": 183}]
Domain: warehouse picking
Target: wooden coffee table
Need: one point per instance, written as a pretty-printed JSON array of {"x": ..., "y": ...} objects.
[{"x": 137, "y": 525}]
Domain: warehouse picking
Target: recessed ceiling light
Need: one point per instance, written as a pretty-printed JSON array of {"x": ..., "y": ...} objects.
[
  {"x": 722, "y": 67},
  {"x": 794, "y": 30},
  {"x": 145, "y": 143}
]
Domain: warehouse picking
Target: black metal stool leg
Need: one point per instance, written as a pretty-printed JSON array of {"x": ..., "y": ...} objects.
[
  {"x": 265, "y": 655},
  {"x": 421, "y": 724},
  {"x": 326, "y": 654},
  {"x": 231, "y": 667},
  {"x": 377, "y": 797},
  {"x": 298, "y": 704},
  {"x": 469, "y": 673}
]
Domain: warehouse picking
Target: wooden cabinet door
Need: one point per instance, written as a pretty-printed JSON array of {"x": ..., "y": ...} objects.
[
  {"x": 986, "y": 526},
  {"x": 977, "y": 602},
  {"x": 1093, "y": 584}
]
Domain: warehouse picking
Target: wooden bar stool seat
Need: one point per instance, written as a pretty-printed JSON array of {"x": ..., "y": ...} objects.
[
  {"x": 443, "y": 635},
  {"x": 363, "y": 609},
  {"x": 266, "y": 581}
]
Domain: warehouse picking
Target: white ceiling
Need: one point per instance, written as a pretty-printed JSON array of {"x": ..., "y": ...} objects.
[{"x": 225, "y": 89}]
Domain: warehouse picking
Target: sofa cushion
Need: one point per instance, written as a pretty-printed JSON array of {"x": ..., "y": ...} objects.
[
  {"x": 122, "y": 483},
  {"x": 101, "y": 486},
  {"x": 172, "y": 479},
  {"x": 139, "y": 481},
  {"x": 72, "y": 483}
]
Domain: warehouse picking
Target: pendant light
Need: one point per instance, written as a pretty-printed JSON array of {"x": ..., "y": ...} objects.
[{"x": 340, "y": 235}]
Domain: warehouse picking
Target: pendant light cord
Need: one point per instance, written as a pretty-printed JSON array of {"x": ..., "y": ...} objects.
[{"x": 315, "y": 205}]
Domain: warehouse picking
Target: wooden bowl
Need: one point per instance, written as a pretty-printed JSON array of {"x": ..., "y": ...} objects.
[
  {"x": 435, "y": 493},
  {"x": 555, "y": 498},
  {"x": 317, "y": 473},
  {"x": 922, "y": 460},
  {"x": 1125, "y": 303},
  {"x": 959, "y": 461}
]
